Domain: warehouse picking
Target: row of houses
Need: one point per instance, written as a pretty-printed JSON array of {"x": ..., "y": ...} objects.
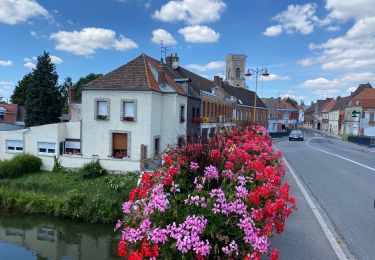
[
  {"x": 128, "y": 117},
  {"x": 350, "y": 115}
]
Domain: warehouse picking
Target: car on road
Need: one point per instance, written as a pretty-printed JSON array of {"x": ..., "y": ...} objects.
[{"x": 296, "y": 135}]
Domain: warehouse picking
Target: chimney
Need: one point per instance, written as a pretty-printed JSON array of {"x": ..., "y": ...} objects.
[
  {"x": 172, "y": 58},
  {"x": 161, "y": 72},
  {"x": 70, "y": 101},
  {"x": 217, "y": 80}
]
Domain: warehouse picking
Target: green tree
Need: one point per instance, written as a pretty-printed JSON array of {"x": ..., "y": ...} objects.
[
  {"x": 64, "y": 90},
  {"x": 20, "y": 91},
  {"x": 82, "y": 81},
  {"x": 43, "y": 100}
]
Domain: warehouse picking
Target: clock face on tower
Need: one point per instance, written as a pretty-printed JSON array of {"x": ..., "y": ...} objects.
[{"x": 175, "y": 65}]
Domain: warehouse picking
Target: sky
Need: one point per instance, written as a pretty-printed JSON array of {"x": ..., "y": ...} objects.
[{"x": 313, "y": 49}]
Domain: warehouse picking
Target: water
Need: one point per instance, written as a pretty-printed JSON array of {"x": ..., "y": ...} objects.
[{"x": 42, "y": 238}]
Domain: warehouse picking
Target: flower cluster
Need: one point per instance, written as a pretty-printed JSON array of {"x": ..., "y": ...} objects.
[{"x": 222, "y": 198}]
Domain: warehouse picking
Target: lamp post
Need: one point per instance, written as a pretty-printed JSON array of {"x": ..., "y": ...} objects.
[{"x": 257, "y": 73}]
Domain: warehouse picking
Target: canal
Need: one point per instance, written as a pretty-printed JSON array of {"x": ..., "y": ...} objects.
[{"x": 42, "y": 238}]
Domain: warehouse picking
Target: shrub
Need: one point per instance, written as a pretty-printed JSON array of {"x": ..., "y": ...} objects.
[
  {"x": 19, "y": 165},
  {"x": 220, "y": 200},
  {"x": 57, "y": 167},
  {"x": 93, "y": 170}
]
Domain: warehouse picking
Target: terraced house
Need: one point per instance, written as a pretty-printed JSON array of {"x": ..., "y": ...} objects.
[{"x": 132, "y": 114}]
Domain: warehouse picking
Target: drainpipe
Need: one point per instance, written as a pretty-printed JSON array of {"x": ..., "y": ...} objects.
[
  {"x": 23, "y": 138},
  {"x": 80, "y": 135}
]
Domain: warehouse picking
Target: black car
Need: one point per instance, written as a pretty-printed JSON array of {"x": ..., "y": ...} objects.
[{"x": 296, "y": 135}]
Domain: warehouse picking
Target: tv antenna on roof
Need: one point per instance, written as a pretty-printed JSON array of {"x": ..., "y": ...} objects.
[{"x": 164, "y": 50}]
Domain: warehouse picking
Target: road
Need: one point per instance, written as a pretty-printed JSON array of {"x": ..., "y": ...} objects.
[{"x": 339, "y": 177}]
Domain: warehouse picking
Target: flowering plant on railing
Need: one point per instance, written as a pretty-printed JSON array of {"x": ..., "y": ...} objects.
[
  {"x": 197, "y": 120},
  {"x": 221, "y": 199},
  {"x": 206, "y": 120}
]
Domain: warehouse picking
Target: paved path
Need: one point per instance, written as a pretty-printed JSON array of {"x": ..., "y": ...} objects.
[{"x": 340, "y": 179}]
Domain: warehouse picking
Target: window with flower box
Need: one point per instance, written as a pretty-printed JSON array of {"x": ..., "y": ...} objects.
[
  {"x": 129, "y": 110},
  {"x": 72, "y": 146},
  {"x": 119, "y": 145},
  {"x": 102, "y": 109}
]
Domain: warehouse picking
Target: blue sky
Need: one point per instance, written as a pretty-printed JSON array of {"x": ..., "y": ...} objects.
[{"x": 313, "y": 49}]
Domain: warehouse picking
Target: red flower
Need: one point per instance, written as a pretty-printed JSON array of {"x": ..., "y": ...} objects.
[
  {"x": 274, "y": 254},
  {"x": 215, "y": 155},
  {"x": 135, "y": 255},
  {"x": 122, "y": 250}
]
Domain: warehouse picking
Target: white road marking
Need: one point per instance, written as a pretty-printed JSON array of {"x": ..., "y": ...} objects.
[
  {"x": 339, "y": 156},
  {"x": 327, "y": 232}
]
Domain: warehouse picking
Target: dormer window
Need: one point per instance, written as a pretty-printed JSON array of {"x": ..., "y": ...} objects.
[{"x": 2, "y": 113}]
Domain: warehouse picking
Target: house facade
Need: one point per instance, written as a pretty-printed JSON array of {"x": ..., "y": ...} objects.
[
  {"x": 130, "y": 116},
  {"x": 366, "y": 101},
  {"x": 325, "y": 115},
  {"x": 309, "y": 116},
  {"x": 11, "y": 117}
]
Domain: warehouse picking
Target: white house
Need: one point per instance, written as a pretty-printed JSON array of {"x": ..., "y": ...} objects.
[{"x": 128, "y": 115}]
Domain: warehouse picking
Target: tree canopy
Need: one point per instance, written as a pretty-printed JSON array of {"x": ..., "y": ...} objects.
[
  {"x": 82, "y": 81},
  {"x": 20, "y": 91},
  {"x": 43, "y": 99}
]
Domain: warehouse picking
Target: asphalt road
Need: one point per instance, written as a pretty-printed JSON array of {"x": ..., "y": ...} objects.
[{"x": 340, "y": 179}]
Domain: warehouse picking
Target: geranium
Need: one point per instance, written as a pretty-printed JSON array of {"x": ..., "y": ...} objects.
[{"x": 222, "y": 198}]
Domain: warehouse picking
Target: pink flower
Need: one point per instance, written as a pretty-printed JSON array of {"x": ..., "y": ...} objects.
[
  {"x": 194, "y": 166},
  {"x": 211, "y": 172}
]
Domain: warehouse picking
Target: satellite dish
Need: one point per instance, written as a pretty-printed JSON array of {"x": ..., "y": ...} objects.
[{"x": 175, "y": 65}]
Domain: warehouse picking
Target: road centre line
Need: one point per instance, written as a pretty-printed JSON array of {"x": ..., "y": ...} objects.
[
  {"x": 339, "y": 156},
  {"x": 327, "y": 232}
]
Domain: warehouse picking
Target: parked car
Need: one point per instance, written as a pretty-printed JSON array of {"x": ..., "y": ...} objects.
[{"x": 296, "y": 135}]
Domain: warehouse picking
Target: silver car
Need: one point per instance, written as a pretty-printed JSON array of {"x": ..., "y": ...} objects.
[{"x": 296, "y": 135}]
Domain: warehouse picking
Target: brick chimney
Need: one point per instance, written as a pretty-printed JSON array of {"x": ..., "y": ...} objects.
[
  {"x": 161, "y": 72},
  {"x": 218, "y": 80},
  {"x": 171, "y": 58}
]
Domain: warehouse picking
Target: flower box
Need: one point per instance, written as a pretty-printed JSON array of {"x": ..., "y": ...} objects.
[
  {"x": 197, "y": 120},
  {"x": 101, "y": 117},
  {"x": 128, "y": 118}
]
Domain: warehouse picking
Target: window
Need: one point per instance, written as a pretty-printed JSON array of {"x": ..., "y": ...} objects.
[
  {"x": 238, "y": 73},
  {"x": 157, "y": 146},
  {"x": 72, "y": 146},
  {"x": 193, "y": 111},
  {"x": 2, "y": 113},
  {"x": 198, "y": 113},
  {"x": 180, "y": 141},
  {"x": 119, "y": 145},
  {"x": 102, "y": 110},
  {"x": 45, "y": 148},
  {"x": 357, "y": 102},
  {"x": 14, "y": 146},
  {"x": 182, "y": 113},
  {"x": 129, "y": 110}
]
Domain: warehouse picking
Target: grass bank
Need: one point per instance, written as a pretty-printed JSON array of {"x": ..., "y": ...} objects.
[{"x": 67, "y": 195}]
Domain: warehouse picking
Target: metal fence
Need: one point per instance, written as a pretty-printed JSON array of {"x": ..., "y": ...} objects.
[
  {"x": 362, "y": 140},
  {"x": 279, "y": 134}
]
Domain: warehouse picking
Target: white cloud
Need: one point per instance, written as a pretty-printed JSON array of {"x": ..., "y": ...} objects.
[
  {"x": 213, "y": 65},
  {"x": 272, "y": 77},
  {"x": 199, "y": 34},
  {"x": 7, "y": 88},
  {"x": 333, "y": 28},
  {"x": 5, "y": 63},
  {"x": 192, "y": 12},
  {"x": 34, "y": 34},
  {"x": 17, "y": 11},
  {"x": 56, "y": 60},
  {"x": 29, "y": 64},
  {"x": 354, "y": 50},
  {"x": 88, "y": 40},
  {"x": 160, "y": 35},
  {"x": 273, "y": 30},
  {"x": 338, "y": 86},
  {"x": 296, "y": 19},
  {"x": 350, "y": 9}
]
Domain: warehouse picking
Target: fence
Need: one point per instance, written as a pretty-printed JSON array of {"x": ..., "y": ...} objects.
[
  {"x": 279, "y": 134},
  {"x": 362, "y": 140}
]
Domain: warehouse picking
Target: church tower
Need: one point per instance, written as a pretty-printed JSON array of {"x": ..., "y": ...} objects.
[{"x": 235, "y": 71}]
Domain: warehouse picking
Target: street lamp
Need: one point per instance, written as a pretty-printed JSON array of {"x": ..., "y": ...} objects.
[{"x": 264, "y": 72}]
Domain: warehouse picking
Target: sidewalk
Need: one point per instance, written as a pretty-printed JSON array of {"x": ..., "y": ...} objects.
[{"x": 347, "y": 144}]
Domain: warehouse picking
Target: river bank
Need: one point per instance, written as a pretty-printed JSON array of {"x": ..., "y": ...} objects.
[{"x": 67, "y": 195}]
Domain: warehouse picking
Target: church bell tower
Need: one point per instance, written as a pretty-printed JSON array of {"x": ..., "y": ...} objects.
[{"x": 235, "y": 70}]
